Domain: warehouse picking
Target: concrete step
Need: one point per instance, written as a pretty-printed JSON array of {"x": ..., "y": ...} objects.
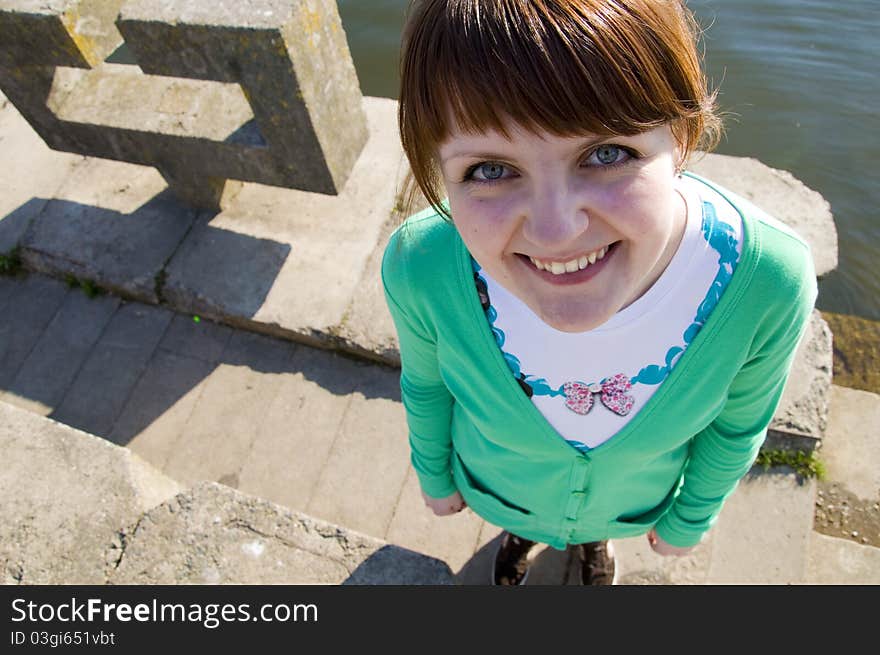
[
  {"x": 836, "y": 561},
  {"x": 80, "y": 510}
]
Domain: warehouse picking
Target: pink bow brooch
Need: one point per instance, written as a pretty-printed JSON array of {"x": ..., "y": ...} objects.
[{"x": 612, "y": 393}]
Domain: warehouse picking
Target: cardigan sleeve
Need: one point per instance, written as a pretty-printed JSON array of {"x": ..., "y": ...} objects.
[
  {"x": 722, "y": 453},
  {"x": 425, "y": 397}
]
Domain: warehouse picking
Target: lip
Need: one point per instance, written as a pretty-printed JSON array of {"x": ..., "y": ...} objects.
[{"x": 576, "y": 277}]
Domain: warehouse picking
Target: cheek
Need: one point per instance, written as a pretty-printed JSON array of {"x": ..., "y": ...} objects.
[
  {"x": 490, "y": 221},
  {"x": 639, "y": 207}
]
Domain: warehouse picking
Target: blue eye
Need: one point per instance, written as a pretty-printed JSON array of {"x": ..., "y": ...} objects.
[
  {"x": 488, "y": 171},
  {"x": 608, "y": 155}
]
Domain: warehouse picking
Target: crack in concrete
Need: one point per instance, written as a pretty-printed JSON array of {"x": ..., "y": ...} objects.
[
  {"x": 337, "y": 535},
  {"x": 124, "y": 537}
]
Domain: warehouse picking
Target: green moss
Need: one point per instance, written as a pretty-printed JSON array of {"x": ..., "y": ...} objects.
[
  {"x": 10, "y": 263},
  {"x": 88, "y": 287},
  {"x": 807, "y": 465}
]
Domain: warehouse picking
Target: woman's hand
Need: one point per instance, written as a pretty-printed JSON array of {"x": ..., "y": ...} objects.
[
  {"x": 445, "y": 506},
  {"x": 663, "y": 548}
]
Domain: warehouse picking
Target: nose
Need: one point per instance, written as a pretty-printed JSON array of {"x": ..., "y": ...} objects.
[{"x": 556, "y": 215}]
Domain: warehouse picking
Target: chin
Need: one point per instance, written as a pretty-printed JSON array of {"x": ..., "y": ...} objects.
[{"x": 568, "y": 321}]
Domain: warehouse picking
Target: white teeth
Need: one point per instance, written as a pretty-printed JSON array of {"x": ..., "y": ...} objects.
[{"x": 558, "y": 268}]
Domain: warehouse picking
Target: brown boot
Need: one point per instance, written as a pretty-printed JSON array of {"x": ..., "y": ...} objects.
[
  {"x": 598, "y": 566},
  {"x": 511, "y": 560}
]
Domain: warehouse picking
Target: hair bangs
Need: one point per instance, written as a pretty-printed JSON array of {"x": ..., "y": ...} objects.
[{"x": 603, "y": 67}]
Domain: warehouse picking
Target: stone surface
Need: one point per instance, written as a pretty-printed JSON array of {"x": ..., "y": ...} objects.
[
  {"x": 851, "y": 449},
  {"x": 764, "y": 529},
  {"x": 291, "y": 60},
  {"x": 295, "y": 437},
  {"x": 29, "y": 305},
  {"x": 57, "y": 32},
  {"x": 287, "y": 262},
  {"x": 781, "y": 195},
  {"x": 802, "y": 416},
  {"x": 229, "y": 411},
  {"x": 39, "y": 174},
  {"x": 114, "y": 366},
  {"x": 366, "y": 328},
  {"x": 838, "y": 561},
  {"x": 54, "y": 361},
  {"x": 79, "y": 510},
  {"x": 66, "y": 495},
  {"x": 370, "y": 454},
  {"x": 450, "y": 538},
  {"x": 110, "y": 223},
  {"x": 214, "y": 535}
]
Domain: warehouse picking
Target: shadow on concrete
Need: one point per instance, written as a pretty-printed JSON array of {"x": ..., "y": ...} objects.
[
  {"x": 133, "y": 254},
  {"x": 113, "y": 368},
  {"x": 14, "y": 225},
  {"x": 549, "y": 566},
  {"x": 393, "y": 565}
]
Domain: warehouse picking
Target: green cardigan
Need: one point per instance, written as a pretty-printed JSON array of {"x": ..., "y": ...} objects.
[{"x": 472, "y": 429}]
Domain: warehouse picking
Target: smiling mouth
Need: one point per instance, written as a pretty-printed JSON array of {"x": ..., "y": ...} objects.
[{"x": 572, "y": 265}]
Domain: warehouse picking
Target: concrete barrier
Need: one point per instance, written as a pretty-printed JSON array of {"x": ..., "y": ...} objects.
[
  {"x": 78, "y": 509},
  {"x": 277, "y": 102}
]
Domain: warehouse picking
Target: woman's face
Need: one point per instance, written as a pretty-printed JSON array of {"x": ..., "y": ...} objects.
[{"x": 575, "y": 227}]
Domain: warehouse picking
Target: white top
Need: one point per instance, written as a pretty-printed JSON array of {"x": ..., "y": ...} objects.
[{"x": 642, "y": 342}]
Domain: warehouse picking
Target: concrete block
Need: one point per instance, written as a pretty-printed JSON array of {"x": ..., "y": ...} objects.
[
  {"x": 156, "y": 413},
  {"x": 39, "y": 173},
  {"x": 201, "y": 339},
  {"x": 834, "y": 561},
  {"x": 763, "y": 532},
  {"x": 106, "y": 380},
  {"x": 290, "y": 263},
  {"x": 851, "y": 448},
  {"x": 53, "y": 363},
  {"x": 781, "y": 195},
  {"x": 57, "y": 32},
  {"x": 300, "y": 126},
  {"x": 368, "y": 464},
  {"x": 452, "y": 539},
  {"x": 66, "y": 495},
  {"x": 367, "y": 328},
  {"x": 295, "y": 439},
  {"x": 111, "y": 224},
  {"x": 232, "y": 406},
  {"x": 215, "y": 535},
  {"x": 26, "y": 308},
  {"x": 802, "y": 416}
]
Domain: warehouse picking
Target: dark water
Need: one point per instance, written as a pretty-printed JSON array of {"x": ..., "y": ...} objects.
[{"x": 801, "y": 81}]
